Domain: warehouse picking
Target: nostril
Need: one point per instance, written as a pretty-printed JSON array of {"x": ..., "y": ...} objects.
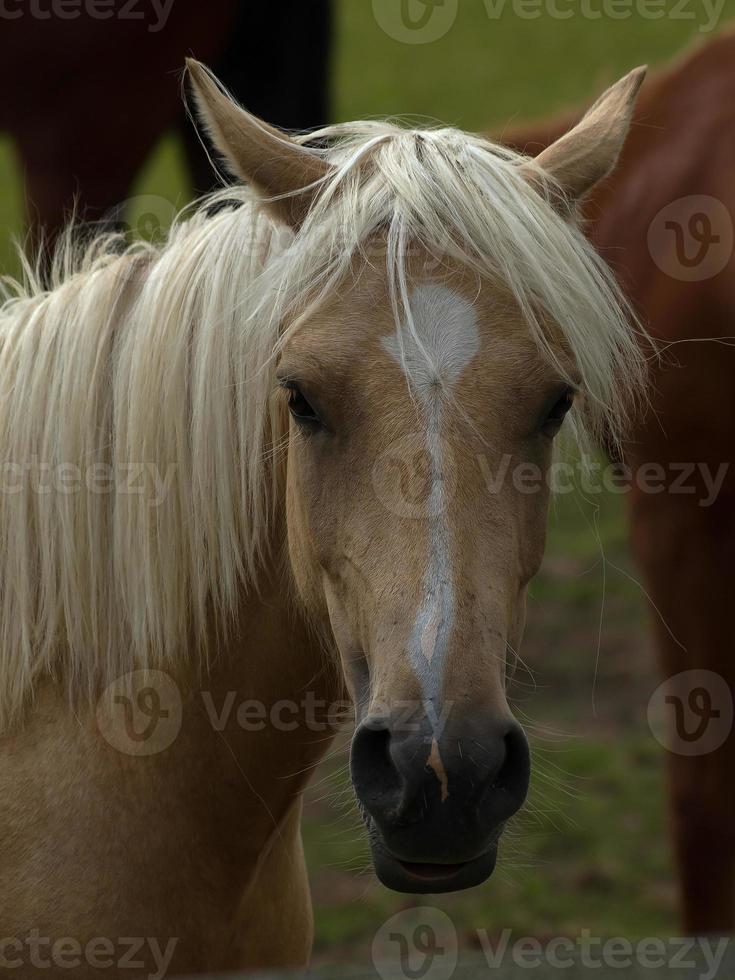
[
  {"x": 512, "y": 777},
  {"x": 486, "y": 783},
  {"x": 374, "y": 775}
]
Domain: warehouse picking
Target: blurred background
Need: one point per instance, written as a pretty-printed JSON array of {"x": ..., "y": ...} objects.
[{"x": 590, "y": 849}]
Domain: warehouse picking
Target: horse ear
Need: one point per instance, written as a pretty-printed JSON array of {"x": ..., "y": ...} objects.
[
  {"x": 279, "y": 168},
  {"x": 590, "y": 150}
]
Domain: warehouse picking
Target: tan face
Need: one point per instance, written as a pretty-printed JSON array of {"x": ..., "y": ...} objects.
[
  {"x": 416, "y": 511},
  {"x": 415, "y": 524}
]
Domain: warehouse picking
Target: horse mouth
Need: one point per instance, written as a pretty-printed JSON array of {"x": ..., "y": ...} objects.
[
  {"x": 432, "y": 872},
  {"x": 418, "y": 878},
  {"x": 422, "y": 878}
]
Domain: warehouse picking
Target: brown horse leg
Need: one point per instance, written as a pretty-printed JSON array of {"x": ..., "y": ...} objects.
[
  {"x": 53, "y": 192},
  {"x": 85, "y": 166},
  {"x": 687, "y": 554}
]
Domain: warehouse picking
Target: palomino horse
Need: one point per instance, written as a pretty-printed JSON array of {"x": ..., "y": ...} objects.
[
  {"x": 201, "y": 507},
  {"x": 665, "y": 222}
]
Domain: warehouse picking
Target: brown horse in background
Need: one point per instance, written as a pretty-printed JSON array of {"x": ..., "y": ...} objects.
[
  {"x": 75, "y": 105},
  {"x": 663, "y": 221}
]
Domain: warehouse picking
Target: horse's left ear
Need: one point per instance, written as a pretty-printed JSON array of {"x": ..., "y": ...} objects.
[
  {"x": 589, "y": 151},
  {"x": 280, "y": 169}
]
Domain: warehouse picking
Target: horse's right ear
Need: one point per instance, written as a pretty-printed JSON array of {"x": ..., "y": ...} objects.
[{"x": 281, "y": 170}]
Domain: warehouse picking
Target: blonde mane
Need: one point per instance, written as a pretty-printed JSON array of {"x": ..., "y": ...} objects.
[{"x": 138, "y": 428}]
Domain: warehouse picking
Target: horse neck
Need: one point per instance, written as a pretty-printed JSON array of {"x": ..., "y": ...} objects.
[
  {"x": 275, "y": 653},
  {"x": 271, "y": 695}
]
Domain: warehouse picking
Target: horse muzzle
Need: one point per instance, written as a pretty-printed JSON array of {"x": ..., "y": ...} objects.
[{"x": 435, "y": 808}]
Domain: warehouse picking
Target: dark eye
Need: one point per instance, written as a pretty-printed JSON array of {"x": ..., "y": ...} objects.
[
  {"x": 299, "y": 406},
  {"x": 558, "y": 412}
]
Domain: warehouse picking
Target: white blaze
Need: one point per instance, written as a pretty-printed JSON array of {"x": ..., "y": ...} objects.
[{"x": 434, "y": 354}]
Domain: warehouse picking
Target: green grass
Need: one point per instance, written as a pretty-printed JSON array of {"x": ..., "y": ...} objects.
[
  {"x": 12, "y": 210},
  {"x": 487, "y": 70}
]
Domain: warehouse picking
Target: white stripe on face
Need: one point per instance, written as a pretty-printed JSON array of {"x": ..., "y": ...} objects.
[{"x": 434, "y": 351}]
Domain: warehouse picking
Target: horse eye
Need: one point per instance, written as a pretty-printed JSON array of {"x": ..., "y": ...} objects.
[
  {"x": 299, "y": 406},
  {"x": 559, "y": 410}
]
